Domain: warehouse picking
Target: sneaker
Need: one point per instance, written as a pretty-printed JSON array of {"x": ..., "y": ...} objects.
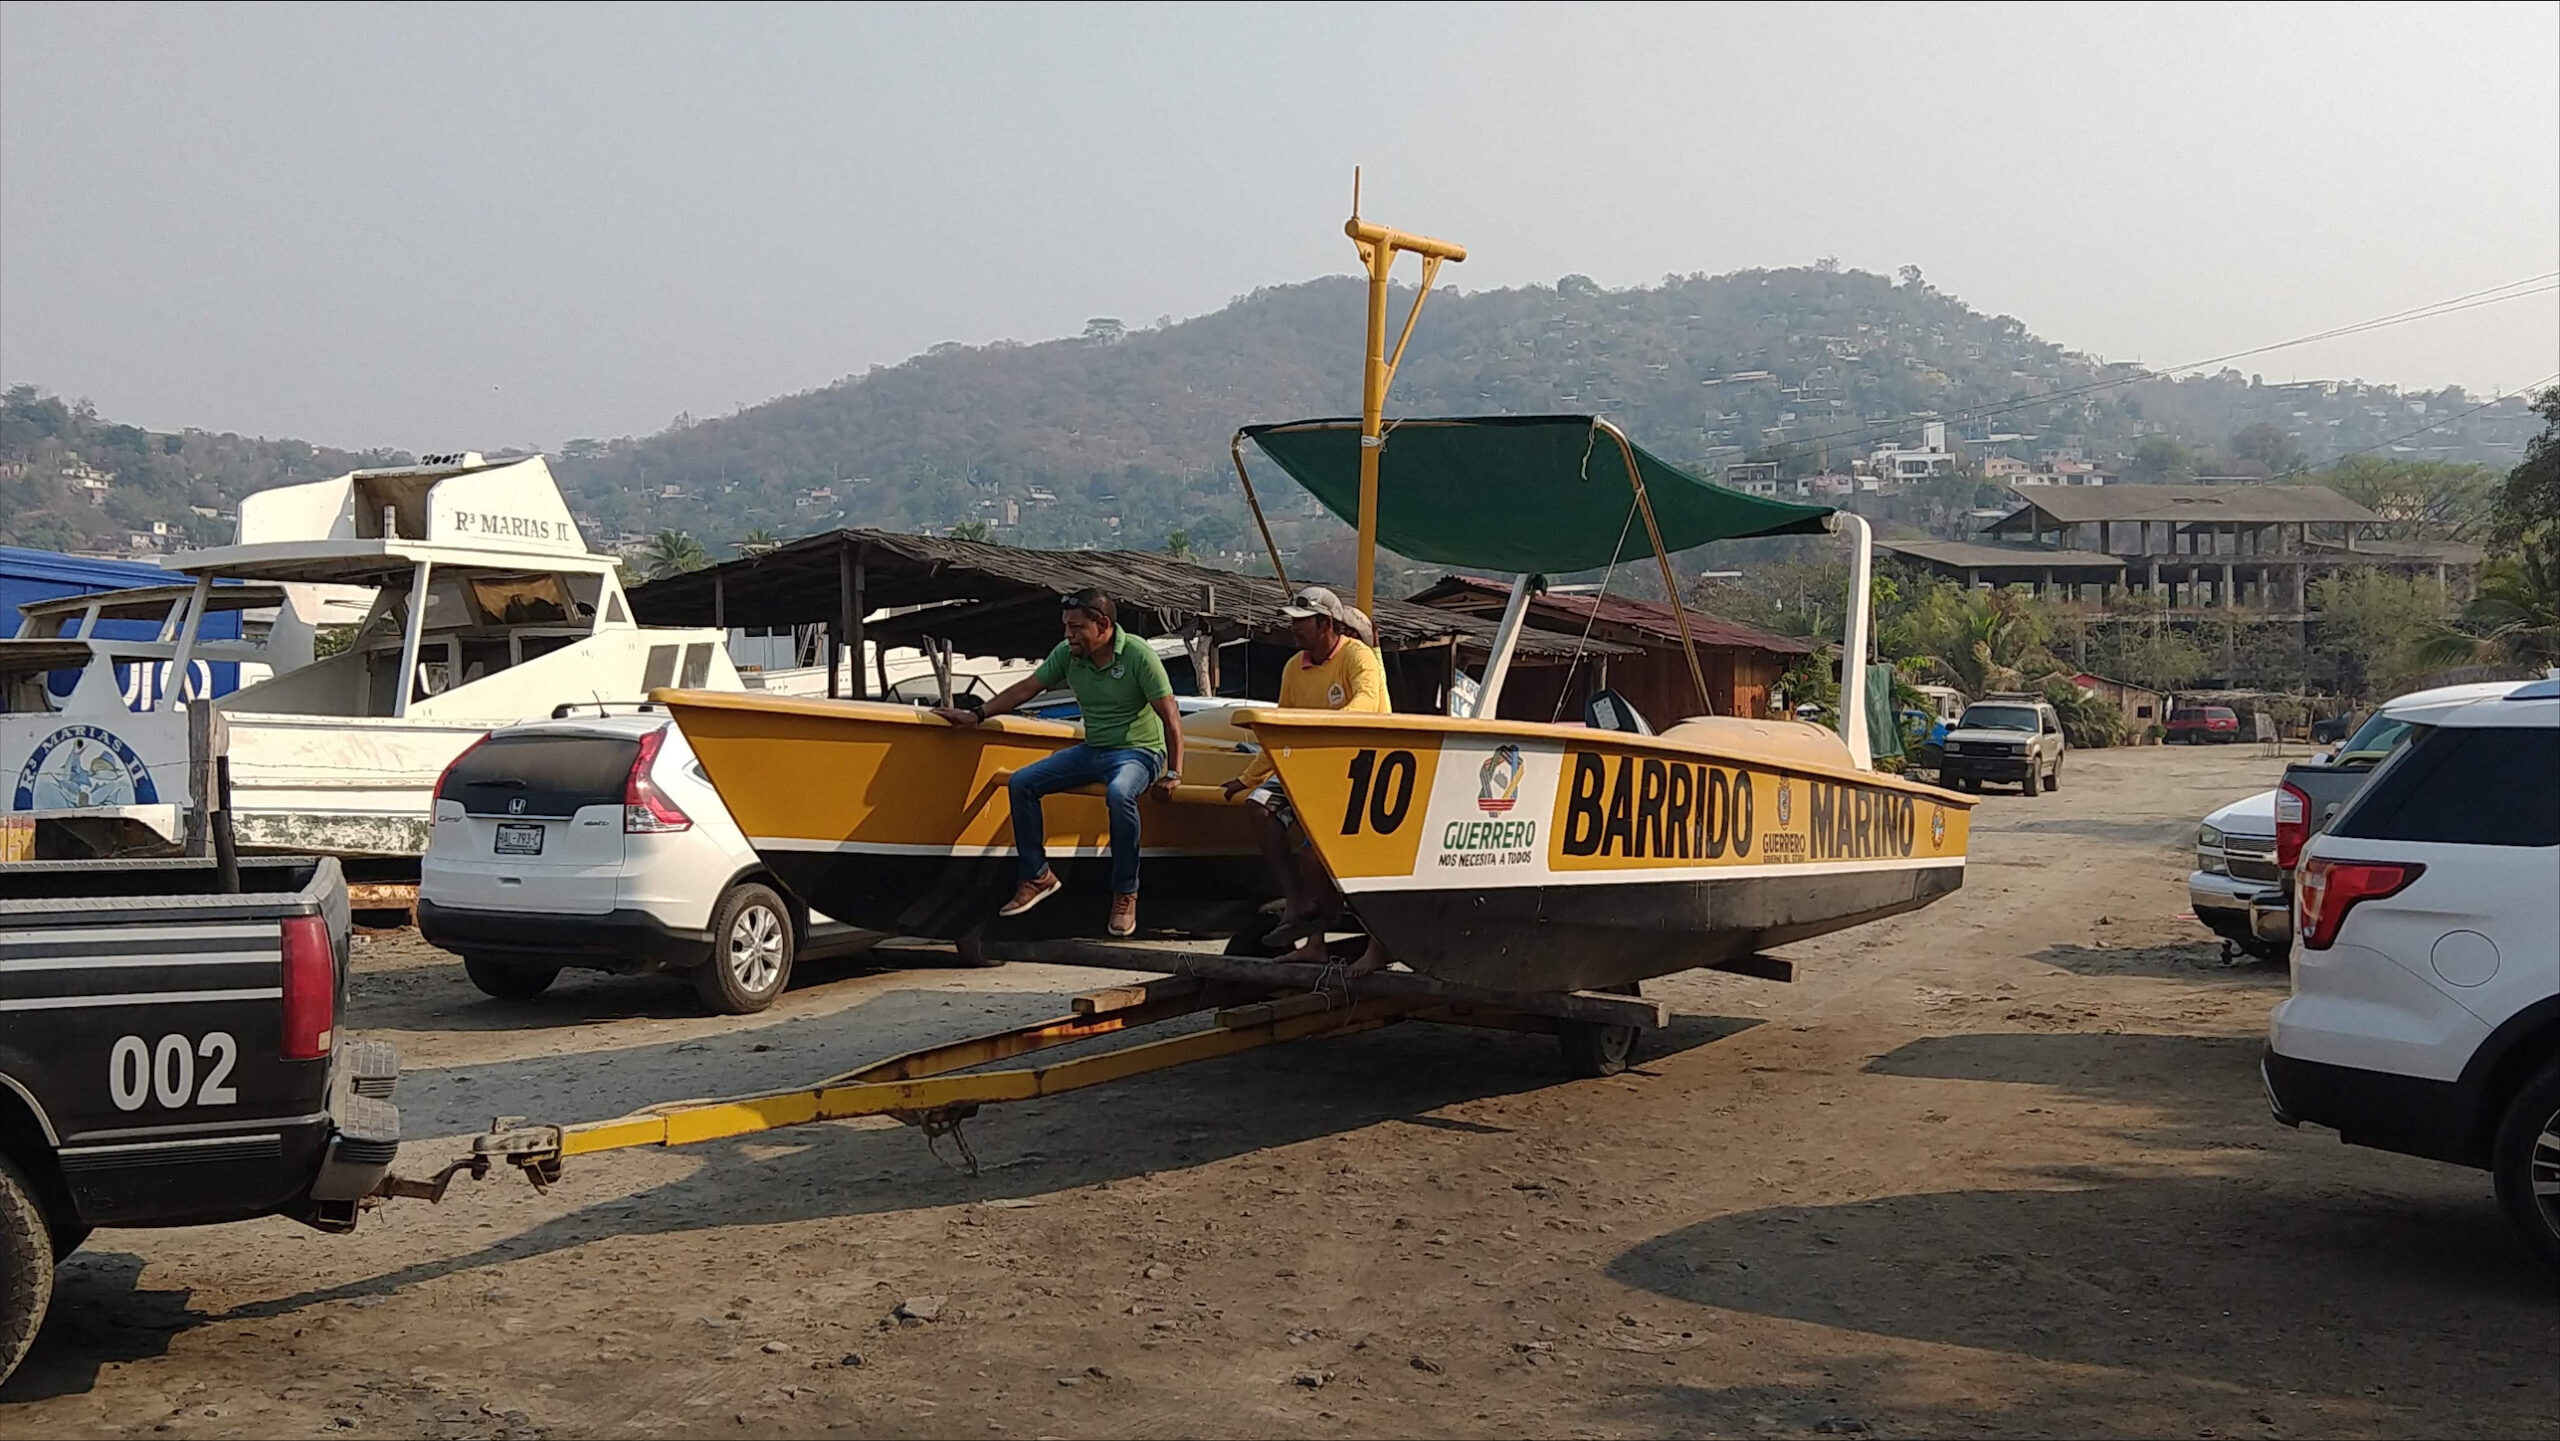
[
  {"x": 1031, "y": 893},
  {"x": 1124, "y": 915}
]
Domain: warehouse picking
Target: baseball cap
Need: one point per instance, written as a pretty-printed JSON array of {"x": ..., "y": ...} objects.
[
  {"x": 1316, "y": 600},
  {"x": 1360, "y": 624}
]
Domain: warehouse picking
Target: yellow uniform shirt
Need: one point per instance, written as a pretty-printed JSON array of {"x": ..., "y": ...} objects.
[{"x": 1349, "y": 679}]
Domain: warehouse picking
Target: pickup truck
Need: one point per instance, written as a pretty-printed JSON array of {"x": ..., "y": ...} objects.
[{"x": 170, "y": 1056}]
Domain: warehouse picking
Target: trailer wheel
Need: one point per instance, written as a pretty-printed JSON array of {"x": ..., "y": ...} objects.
[
  {"x": 508, "y": 980},
  {"x": 26, "y": 1266},
  {"x": 1593, "y": 1048}
]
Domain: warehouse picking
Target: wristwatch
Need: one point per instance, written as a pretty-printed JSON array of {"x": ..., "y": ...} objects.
[{"x": 1170, "y": 776}]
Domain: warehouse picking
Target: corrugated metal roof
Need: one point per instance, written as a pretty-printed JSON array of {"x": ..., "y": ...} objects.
[
  {"x": 999, "y": 600},
  {"x": 1651, "y": 618},
  {"x": 1985, "y": 555},
  {"x": 2188, "y": 504}
]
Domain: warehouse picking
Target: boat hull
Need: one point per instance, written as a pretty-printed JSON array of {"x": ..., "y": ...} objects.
[
  {"x": 890, "y": 819},
  {"x": 1535, "y": 858}
]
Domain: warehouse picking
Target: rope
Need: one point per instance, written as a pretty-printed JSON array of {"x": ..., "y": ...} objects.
[{"x": 1565, "y": 687}]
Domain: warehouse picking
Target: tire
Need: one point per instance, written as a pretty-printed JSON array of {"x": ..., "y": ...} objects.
[
  {"x": 509, "y": 980},
  {"x": 2525, "y": 1154},
  {"x": 2034, "y": 783},
  {"x": 1593, "y": 1049},
  {"x": 2053, "y": 782},
  {"x": 26, "y": 1266},
  {"x": 751, "y": 948}
]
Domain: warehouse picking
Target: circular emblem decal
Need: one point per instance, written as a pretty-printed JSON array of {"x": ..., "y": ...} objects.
[
  {"x": 1786, "y": 800},
  {"x": 1937, "y": 827},
  {"x": 83, "y": 766},
  {"x": 1333, "y": 695}
]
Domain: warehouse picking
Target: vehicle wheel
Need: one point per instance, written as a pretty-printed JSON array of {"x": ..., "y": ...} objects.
[
  {"x": 750, "y": 952},
  {"x": 26, "y": 1267},
  {"x": 2526, "y": 1162},
  {"x": 509, "y": 980},
  {"x": 971, "y": 951},
  {"x": 2033, "y": 784},
  {"x": 1594, "y": 1048},
  {"x": 2053, "y": 782}
]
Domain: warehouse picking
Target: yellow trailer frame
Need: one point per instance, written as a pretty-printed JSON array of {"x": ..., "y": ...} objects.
[{"x": 1254, "y": 1004}]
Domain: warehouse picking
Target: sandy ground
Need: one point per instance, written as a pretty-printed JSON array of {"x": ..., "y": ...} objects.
[{"x": 1997, "y": 1168}]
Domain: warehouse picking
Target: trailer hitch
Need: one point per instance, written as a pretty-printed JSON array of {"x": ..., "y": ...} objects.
[{"x": 534, "y": 1150}]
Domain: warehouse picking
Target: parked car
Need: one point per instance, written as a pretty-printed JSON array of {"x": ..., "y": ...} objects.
[
  {"x": 170, "y": 1056},
  {"x": 2236, "y": 889},
  {"x": 597, "y": 841},
  {"x": 2425, "y": 1012},
  {"x": 2199, "y": 725},
  {"x": 2005, "y": 740},
  {"x": 2333, "y": 729}
]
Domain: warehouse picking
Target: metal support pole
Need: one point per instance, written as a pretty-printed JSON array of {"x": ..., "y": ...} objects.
[
  {"x": 1378, "y": 247},
  {"x": 410, "y": 636},
  {"x": 1670, "y": 585},
  {"x": 1853, "y": 658},
  {"x": 1235, "y": 452},
  {"x": 1497, "y": 662},
  {"x": 189, "y": 626}
]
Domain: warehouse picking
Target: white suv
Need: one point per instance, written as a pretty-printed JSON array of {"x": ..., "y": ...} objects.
[
  {"x": 597, "y": 841},
  {"x": 2425, "y": 1014}
]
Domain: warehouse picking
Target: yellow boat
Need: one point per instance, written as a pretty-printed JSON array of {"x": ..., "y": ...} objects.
[
  {"x": 888, "y": 818},
  {"x": 1512, "y": 855}
]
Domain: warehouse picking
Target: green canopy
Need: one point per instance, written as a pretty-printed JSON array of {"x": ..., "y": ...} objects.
[{"x": 1544, "y": 493}]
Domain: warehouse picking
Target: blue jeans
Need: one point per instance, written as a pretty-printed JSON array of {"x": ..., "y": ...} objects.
[{"x": 1124, "y": 773}]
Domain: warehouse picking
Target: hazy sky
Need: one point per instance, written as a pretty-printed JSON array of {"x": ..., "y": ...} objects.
[{"x": 490, "y": 225}]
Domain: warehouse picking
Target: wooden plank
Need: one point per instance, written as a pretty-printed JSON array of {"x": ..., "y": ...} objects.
[
  {"x": 1121, "y": 998},
  {"x": 1767, "y": 968},
  {"x": 1263, "y": 1013},
  {"x": 1292, "y": 976}
]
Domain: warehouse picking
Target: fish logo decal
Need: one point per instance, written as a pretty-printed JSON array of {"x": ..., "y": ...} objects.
[
  {"x": 80, "y": 767},
  {"x": 1498, "y": 784}
]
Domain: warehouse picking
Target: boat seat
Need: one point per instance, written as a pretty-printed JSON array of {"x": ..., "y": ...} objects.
[{"x": 1609, "y": 711}]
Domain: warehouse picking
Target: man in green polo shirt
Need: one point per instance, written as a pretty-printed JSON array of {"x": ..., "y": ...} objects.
[{"x": 1132, "y": 740}]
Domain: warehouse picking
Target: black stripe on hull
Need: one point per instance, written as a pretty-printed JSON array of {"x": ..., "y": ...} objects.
[
  {"x": 1588, "y": 937},
  {"x": 948, "y": 896}
]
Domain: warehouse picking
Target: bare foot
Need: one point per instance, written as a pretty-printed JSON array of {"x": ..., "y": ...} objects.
[
  {"x": 1372, "y": 961},
  {"x": 1309, "y": 952}
]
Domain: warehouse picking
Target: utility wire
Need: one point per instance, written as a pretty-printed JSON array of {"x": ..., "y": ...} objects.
[
  {"x": 2490, "y": 296},
  {"x": 2552, "y": 378}
]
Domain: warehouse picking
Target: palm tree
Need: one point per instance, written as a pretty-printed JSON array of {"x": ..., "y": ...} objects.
[
  {"x": 673, "y": 553},
  {"x": 758, "y": 541},
  {"x": 2513, "y": 618},
  {"x": 971, "y": 530}
]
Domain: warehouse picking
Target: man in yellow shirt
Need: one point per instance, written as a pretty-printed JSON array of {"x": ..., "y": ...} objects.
[{"x": 1333, "y": 670}]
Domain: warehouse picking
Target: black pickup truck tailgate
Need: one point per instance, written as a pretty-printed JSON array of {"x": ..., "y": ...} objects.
[{"x": 143, "y": 1018}]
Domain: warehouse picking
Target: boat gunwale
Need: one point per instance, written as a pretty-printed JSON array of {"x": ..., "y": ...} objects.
[{"x": 1311, "y": 720}]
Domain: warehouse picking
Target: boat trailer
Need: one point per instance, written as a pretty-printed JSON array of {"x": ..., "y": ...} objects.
[{"x": 1251, "y": 1004}]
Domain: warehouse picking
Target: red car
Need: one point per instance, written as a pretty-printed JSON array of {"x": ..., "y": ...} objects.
[{"x": 2196, "y": 726}]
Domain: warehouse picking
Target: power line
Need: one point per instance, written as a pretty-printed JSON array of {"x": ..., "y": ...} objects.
[
  {"x": 2490, "y": 296},
  {"x": 2552, "y": 378}
]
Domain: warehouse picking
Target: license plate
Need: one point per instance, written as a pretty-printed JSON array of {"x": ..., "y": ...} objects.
[{"x": 519, "y": 840}]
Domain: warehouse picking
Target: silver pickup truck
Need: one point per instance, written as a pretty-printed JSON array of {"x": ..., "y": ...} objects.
[{"x": 170, "y": 1056}]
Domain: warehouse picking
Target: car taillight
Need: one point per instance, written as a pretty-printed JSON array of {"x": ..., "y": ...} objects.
[
  {"x": 646, "y": 810},
  {"x": 447, "y": 773},
  {"x": 2293, "y": 825},
  {"x": 310, "y": 988},
  {"x": 2329, "y": 889}
]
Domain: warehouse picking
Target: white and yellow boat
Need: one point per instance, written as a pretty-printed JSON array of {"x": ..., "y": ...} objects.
[{"x": 1510, "y": 855}]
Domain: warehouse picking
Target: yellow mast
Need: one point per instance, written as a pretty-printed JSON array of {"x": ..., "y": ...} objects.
[{"x": 1378, "y": 248}]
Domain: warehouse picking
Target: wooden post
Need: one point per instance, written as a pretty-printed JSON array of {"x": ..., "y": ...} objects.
[
  {"x": 208, "y": 742},
  {"x": 858, "y": 606}
]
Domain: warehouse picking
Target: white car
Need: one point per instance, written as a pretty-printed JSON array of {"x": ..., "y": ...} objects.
[
  {"x": 597, "y": 841},
  {"x": 2425, "y": 1013}
]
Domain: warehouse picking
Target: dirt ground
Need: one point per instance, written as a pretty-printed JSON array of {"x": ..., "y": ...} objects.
[{"x": 2000, "y": 1168}]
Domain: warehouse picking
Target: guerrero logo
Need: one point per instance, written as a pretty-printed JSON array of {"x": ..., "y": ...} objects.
[
  {"x": 1937, "y": 827},
  {"x": 1786, "y": 801},
  {"x": 81, "y": 766},
  {"x": 1498, "y": 784}
]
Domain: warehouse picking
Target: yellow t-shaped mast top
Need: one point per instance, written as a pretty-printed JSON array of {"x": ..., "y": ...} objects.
[{"x": 1379, "y": 247}]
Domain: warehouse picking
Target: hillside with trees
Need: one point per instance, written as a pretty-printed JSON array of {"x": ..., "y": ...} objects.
[{"x": 1119, "y": 435}]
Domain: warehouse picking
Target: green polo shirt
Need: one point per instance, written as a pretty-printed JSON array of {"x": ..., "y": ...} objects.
[{"x": 1118, "y": 697}]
